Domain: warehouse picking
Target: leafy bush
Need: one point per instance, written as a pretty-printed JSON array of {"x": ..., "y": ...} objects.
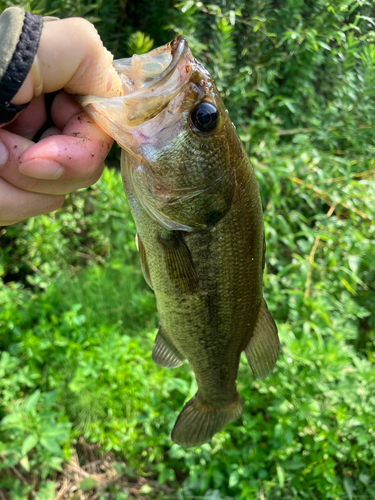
[
  {"x": 77, "y": 321},
  {"x": 94, "y": 226}
]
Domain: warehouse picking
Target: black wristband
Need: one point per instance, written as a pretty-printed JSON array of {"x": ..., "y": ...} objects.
[
  {"x": 8, "y": 111},
  {"x": 19, "y": 66}
]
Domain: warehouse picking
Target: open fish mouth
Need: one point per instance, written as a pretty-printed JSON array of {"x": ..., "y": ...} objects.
[
  {"x": 156, "y": 66},
  {"x": 150, "y": 81}
]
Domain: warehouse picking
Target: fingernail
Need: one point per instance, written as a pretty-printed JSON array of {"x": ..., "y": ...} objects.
[
  {"x": 40, "y": 168},
  {"x": 3, "y": 154}
]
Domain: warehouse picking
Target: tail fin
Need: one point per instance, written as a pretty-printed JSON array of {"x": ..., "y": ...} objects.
[{"x": 198, "y": 422}]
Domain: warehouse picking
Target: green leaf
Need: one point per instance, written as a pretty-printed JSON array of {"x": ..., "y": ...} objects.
[
  {"x": 29, "y": 443},
  {"x": 46, "y": 491},
  {"x": 11, "y": 420},
  {"x": 347, "y": 285},
  {"x": 167, "y": 474},
  {"x": 280, "y": 475},
  {"x": 139, "y": 43},
  {"x": 32, "y": 401},
  {"x": 88, "y": 483},
  {"x": 365, "y": 479},
  {"x": 146, "y": 489},
  {"x": 51, "y": 445},
  {"x": 59, "y": 431},
  {"x": 348, "y": 485},
  {"x": 354, "y": 262},
  {"x": 233, "y": 479},
  {"x": 25, "y": 463},
  {"x": 187, "y": 5}
]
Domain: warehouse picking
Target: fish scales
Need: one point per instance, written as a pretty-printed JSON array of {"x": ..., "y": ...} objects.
[{"x": 196, "y": 205}]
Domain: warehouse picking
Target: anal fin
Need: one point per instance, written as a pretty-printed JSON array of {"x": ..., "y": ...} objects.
[
  {"x": 263, "y": 349},
  {"x": 143, "y": 260},
  {"x": 165, "y": 354}
]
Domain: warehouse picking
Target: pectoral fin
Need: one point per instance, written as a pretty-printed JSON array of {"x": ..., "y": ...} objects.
[
  {"x": 143, "y": 260},
  {"x": 179, "y": 264},
  {"x": 165, "y": 354},
  {"x": 263, "y": 348}
]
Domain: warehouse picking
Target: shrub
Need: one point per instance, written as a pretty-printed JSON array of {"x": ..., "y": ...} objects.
[{"x": 77, "y": 321}]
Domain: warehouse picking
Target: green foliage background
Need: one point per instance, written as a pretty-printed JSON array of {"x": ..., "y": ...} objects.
[{"x": 77, "y": 321}]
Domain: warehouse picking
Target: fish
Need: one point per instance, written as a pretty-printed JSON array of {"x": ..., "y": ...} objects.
[{"x": 194, "y": 198}]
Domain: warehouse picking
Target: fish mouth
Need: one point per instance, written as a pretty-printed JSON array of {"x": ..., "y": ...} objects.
[
  {"x": 155, "y": 67},
  {"x": 150, "y": 82},
  {"x": 156, "y": 78}
]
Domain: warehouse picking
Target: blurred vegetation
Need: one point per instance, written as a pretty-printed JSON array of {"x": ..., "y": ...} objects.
[{"x": 77, "y": 321}]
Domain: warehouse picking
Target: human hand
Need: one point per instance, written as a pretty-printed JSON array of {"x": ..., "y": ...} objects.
[{"x": 35, "y": 177}]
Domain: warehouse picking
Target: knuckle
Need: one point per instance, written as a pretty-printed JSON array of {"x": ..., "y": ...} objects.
[{"x": 29, "y": 183}]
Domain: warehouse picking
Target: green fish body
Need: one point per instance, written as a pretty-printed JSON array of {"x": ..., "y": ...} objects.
[{"x": 196, "y": 206}]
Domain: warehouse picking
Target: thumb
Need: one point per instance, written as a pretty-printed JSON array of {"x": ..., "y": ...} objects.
[{"x": 71, "y": 56}]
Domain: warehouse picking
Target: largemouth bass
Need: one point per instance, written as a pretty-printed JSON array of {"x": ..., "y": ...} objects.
[{"x": 196, "y": 205}]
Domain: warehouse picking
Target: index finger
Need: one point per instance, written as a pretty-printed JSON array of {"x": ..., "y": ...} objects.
[{"x": 57, "y": 164}]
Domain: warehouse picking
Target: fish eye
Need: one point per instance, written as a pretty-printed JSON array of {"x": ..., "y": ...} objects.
[{"x": 205, "y": 117}]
